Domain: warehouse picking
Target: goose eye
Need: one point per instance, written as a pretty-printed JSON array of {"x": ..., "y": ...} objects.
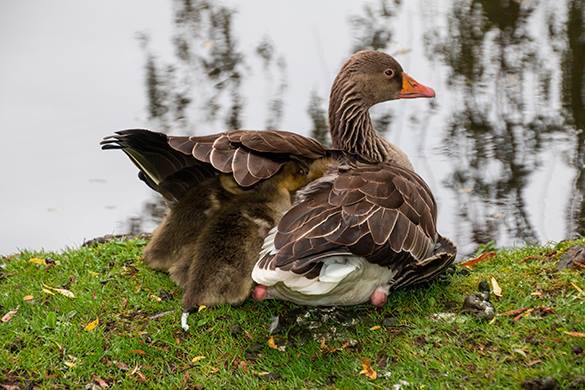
[{"x": 389, "y": 73}]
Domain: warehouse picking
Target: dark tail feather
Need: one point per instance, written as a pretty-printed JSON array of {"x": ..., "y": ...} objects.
[
  {"x": 164, "y": 169},
  {"x": 429, "y": 268}
]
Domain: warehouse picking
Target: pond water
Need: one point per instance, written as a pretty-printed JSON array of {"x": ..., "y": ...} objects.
[{"x": 502, "y": 146}]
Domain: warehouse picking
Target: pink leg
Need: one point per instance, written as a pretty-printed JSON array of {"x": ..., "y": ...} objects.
[
  {"x": 259, "y": 293},
  {"x": 379, "y": 296}
]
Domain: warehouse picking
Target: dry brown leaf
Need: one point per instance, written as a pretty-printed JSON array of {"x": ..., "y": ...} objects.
[
  {"x": 482, "y": 257},
  {"x": 28, "y": 298},
  {"x": 367, "y": 370},
  {"x": 122, "y": 366},
  {"x": 92, "y": 325},
  {"x": 138, "y": 352},
  {"x": 197, "y": 358},
  {"x": 497, "y": 290},
  {"x": 10, "y": 315},
  {"x": 514, "y": 312},
  {"x": 533, "y": 362},
  {"x": 101, "y": 383},
  {"x": 576, "y": 334},
  {"x": 213, "y": 370},
  {"x": 376, "y": 327},
  {"x": 523, "y": 314}
]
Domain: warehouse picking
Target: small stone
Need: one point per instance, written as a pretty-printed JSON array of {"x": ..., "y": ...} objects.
[
  {"x": 573, "y": 258},
  {"x": 479, "y": 307},
  {"x": 546, "y": 383},
  {"x": 390, "y": 322}
]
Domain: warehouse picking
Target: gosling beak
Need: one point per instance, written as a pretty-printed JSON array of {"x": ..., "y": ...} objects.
[{"x": 413, "y": 89}]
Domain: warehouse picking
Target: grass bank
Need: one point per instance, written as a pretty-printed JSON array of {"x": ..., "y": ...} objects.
[{"x": 98, "y": 316}]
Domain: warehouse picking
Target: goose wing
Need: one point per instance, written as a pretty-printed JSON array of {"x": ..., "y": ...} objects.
[
  {"x": 381, "y": 212},
  {"x": 172, "y": 164}
]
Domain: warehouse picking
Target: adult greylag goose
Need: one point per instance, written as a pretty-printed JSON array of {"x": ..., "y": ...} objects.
[{"x": 368, "y": 225}]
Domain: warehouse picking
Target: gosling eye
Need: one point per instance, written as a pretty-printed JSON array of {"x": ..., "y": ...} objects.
[{"x": 389, "y": 73}]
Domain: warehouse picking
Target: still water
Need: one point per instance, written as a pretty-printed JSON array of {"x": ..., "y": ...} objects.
[{"x": 502, "y": 146}]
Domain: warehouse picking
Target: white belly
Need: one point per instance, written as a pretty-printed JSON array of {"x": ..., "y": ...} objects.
[{"x": 344, "y": 280}]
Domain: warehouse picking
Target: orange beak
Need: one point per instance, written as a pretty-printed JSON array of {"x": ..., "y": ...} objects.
[{"x": 413, "y": 89}]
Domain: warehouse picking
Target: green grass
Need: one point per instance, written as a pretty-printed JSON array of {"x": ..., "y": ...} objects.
[{"x": 46, "y": 343}]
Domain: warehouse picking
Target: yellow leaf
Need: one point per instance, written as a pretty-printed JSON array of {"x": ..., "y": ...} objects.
[
  {"x": 28, "y": 298},
  {"x": 492, "y": 321},
  {"x": 61, "y": 291},
  {"x": 47, "y": 291},
  {"x": 38, "y": 261},
  {"x": 92, "y": 325},
  {"x": 70, "y": 364},
  {"x": 92, "y": 273},
  {"x": 376, "y": 327},
  {"x": 201, "y": 308},
  {"x": 197, "y": 358},
  {"x": 367, "y": 370},
  {"x": 496, "y": 287},
  {"x": 272, "y": 343}
]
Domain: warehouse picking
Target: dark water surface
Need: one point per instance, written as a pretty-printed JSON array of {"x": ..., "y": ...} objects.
[{"x": 502, "y": 146}]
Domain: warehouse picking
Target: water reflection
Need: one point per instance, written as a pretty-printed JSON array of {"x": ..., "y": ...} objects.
[
  {"x": 573, "y": 96},
  {"x": 495, "y": 138},
  {"x": 507, "y": 81}
]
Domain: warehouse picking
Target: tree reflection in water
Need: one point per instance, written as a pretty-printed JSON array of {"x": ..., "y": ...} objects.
[
  {"x": 503, "y": 73},
  {"x": 495, "y": 138}
]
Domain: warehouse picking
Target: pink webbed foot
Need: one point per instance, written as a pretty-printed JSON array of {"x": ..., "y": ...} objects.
[
  {"x": 260, "y": 292},
  {"x": 379, "y": 297}
]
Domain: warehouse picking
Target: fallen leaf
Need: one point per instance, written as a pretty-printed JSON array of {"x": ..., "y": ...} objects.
[
  {"x": 519, "y": 351},
  {"x": 497, "y": 290},
  {"x": 482, "y": 257},
  {"x": 197, "y": 359},
  {"x": 523, "y": 314},
  {"x": 492, "y": 321},
  {"x": 47, "y": 291},
  {"x": 122, "y": 366},
  {"x": 201, "y": 308},
  {"x": 92, "y": 325},
  {"x": 28, "y": 298},
  {"x": 138, "y": 352},
  {"x": 61, "y": 291},
  {"x": 514, "y": 312},
  {"x": 38, "y": 261},
  {"x": 533, "y": 362},
  {"x": 576, "y": 334},
  {"x": 536, "y": 294},
  {"x": 70, "y": 364},
  {"x": 10, "y": 315},
  {"x": 155, "y": 298},
  {"x": 376, "y": 327},
  {"x": 271, "y": 343},
  {"x": 578, "y": 288},
  {"x": 367, "y": 370},
  {"x": 102, "y": 383},
  {"x": 213, "y": 370}
]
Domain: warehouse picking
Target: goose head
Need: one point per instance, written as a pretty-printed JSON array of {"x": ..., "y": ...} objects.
[{"x": 367, "y": 78}]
